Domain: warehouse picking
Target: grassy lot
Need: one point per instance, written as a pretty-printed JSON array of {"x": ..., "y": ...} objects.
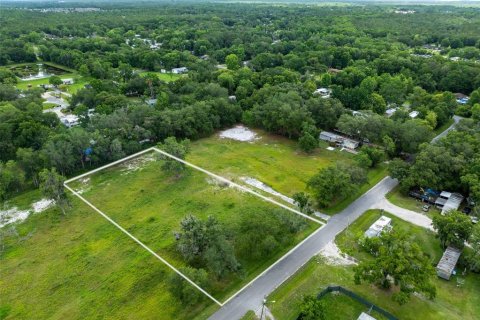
[
  {"x": 167, "y": 77},
  {"x": 151, "y": 204},
  {"x": 250, "y": 315},
  {"x": 397, "y": 198},
  {"x": 452, "y": 302},
  {"x": 81, "y": 267},
  {"x": 274, "y": 160},
  {"x": 347, "y": 240},
  {"x": 48, "y": 105},
  {"x": 73, "y": 88}
]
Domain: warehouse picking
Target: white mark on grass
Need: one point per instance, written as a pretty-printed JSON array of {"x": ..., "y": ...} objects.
[
  {"x": 262, "y": 186},
  {"x": 136, "y": 164},
  {"x": 13, "y": 215},
  {"x": 335, "y": 257},
  {"x": 239, "y": 133}
]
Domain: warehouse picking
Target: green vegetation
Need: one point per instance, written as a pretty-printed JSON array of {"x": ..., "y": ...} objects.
[
  {"x": 166, "y": 77},
  {"x": 452, "y": 301},
  {"x": 80, "y": 266},
  {"x": 151, "y": 203}
]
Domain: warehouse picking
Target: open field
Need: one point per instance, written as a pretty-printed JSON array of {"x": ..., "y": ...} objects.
[
  {"x": 452, "y": 302},
  {"x": 347, "y": 241},
  {"x": 81, "y": 267},
  {"x": 150, "y": 204},
  {"x": 167, "y": 77},
  {"x": 274, "y": 160}
]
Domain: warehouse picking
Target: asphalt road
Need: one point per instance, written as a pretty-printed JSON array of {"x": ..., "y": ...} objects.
[{"x": 251, "y": 297}]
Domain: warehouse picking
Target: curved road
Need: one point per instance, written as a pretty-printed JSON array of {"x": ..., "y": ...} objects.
[{"x": 251, "y": 297}]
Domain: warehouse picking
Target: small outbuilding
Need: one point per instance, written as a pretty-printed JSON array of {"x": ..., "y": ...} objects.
[
  {"x": 448, "y": 201},
  {"x": 339, "y": 140},
  {"x": 180, "y": 70},
  {"x": 448, "y": 262},
  {"x": 365, "y": 316},
  {"x": 382, "y": 224}
]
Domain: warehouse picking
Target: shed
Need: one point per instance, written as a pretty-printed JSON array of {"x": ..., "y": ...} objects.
[
  {"x": 448, "y": 262},
  {"x": 453, "y": 202},
  {"x": 330, "y": 136},
  {"x": 365, "y": 316},
  {"x": 382, "y": 224},
  {"x": 180, "y": 70}
]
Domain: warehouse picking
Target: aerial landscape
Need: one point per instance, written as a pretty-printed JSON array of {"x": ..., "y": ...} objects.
[{"x": 239, "y": 160}]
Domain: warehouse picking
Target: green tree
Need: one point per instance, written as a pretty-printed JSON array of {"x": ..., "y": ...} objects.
[
  {"x": 453, "y": 228},
  {"x": 473, "y": 256},
  {"x": 184, "y": 290},
  {"x": 176, "y": 149},
  {"x": 232, "y": 61},
  {"x": 399, "y": 262},
  {"x": 312, "y": 309},
  {"x": 51, "y": 185},
  {"x": 55, "y": 81},
  {"x": 330, "y": 184},
  {"x": 302, "y": 201}
]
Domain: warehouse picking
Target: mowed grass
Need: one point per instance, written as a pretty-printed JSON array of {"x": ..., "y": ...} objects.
[
  {"x": 276, "y": 161},
  {"x": 452, "y": 301},
  {"x": 150, "y": 204},
  {"x": 166, "y": 77},
  {"x": 80, "y": 266}
]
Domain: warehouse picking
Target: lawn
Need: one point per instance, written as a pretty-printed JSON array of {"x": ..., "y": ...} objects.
[
  {"x": 347, "y": 240},
  {"x": 452, "y": 302},
  {"x": 81, "y": 267},
  {"x": 166, "y": 77},
  {"x": 398, "y": 199},
  {"x": 150, "y": 204},
  {"x": 73, "y": 88},
  {"x": 274, "y": 160}
]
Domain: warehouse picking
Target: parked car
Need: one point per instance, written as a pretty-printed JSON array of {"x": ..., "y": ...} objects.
[
  {"x": 426, "y": 207},
  {"x": 474, "y": 220}
]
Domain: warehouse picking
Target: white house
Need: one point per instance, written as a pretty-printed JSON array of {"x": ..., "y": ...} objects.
[
  {"x": 339, "y": 140},
  {"x": 447, "y": 264},
  {"x": 323, "y": 92},
  {"x": 69, "y": 120},
  {"x": 413, "y": 114},
  {"x": 382, "y": 224},
  {"x": 180, "y": 70}
]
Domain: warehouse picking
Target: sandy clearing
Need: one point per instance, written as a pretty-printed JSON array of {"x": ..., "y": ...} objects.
[
  {"x": 239, "y": 133},
  {"x": 334, "y": 256},
  {"x": 13, "y": 215}
]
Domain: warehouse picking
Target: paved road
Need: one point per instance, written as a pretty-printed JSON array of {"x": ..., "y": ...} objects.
[
  {"x": 456, "y": 119},
  {"x": 251, "y": 297}
]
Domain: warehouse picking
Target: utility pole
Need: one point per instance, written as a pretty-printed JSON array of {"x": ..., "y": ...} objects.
[{"x": 263, "y": 307}]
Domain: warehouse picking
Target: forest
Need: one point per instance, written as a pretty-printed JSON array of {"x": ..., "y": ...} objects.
[
  {"x": 259, "y": 67},
  {"x": 83, "y": 84}
]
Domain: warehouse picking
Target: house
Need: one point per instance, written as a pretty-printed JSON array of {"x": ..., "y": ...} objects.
[
  {"x": 339, "y": 140},
  {"x": 232, "y": 98},
  {"x": 151, "y": 102},
  {"x": 461, "y": 98},
  {"x": 390, "y": 111},
  {"x": 69, "y": 120},
  {"x": 446, "y": 266},
  {"x": 334, "y": 71},
  {"x": 180, "y": 70},
  {"x": 382, "y": 224},
  {"x": 67, "y": 81},
  {"x": 365, "y": 316},
  {"x": 448, "y": 201},
  {"x": 323, "y": 92},
  {"x": 413, "y": 114}
]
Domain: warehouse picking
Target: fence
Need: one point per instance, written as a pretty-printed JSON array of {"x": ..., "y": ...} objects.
[{"x": 360, "y": 299}]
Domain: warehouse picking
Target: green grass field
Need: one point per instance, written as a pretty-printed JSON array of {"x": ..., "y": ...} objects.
[
  {"x": 80, "y": 266},
  {"x": 150, "y": 204},
  {"x": 166, "y": 77},
  {"x": 276, "y": 161},
  {"x": 452, "y": 302}
]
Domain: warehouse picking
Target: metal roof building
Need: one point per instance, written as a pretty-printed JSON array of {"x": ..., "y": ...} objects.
[
  {"x": 383, "y": 223},
  {"x": 448, "y": 262}
]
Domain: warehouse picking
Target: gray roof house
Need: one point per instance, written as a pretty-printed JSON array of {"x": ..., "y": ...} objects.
[{"x": 448, "y": 262}]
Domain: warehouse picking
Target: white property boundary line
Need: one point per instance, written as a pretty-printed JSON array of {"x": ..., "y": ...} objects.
[{"x": 248, "y": 190}]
